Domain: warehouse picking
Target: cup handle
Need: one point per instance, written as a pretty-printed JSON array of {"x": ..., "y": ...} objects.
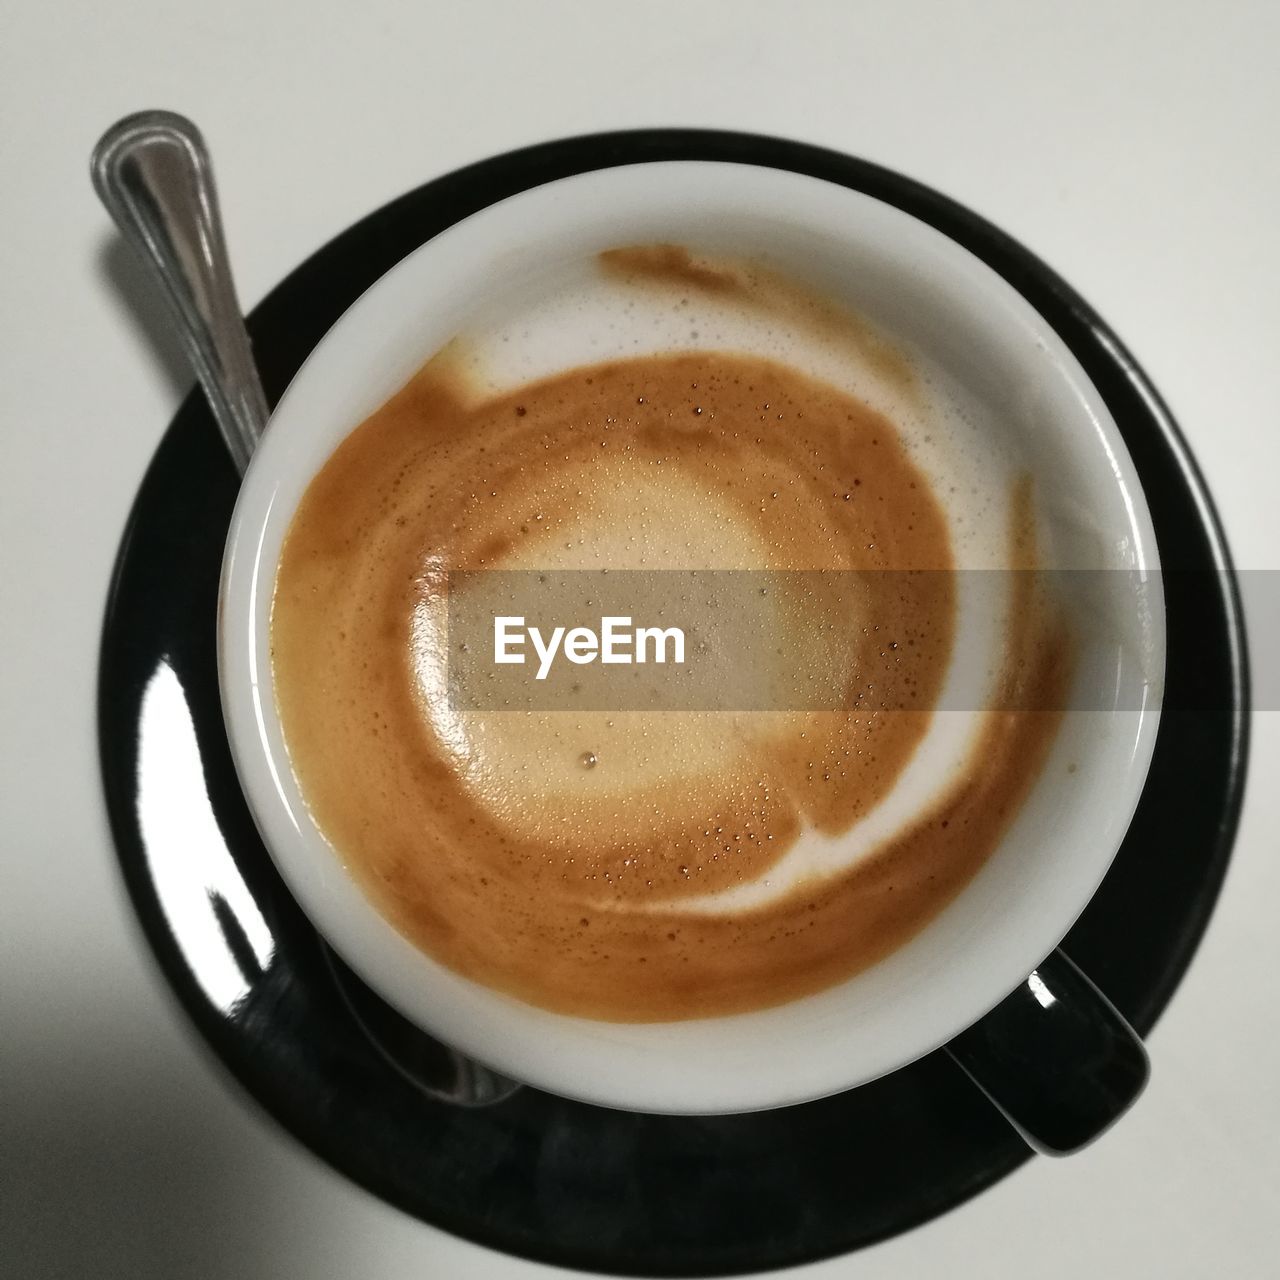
[{"x": 1056, "y": 1059}]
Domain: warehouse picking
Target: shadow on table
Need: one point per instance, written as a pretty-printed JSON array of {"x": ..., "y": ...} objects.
[
  {"x": 112, "y": 1165},
  {"x": 141, "y": 306}
]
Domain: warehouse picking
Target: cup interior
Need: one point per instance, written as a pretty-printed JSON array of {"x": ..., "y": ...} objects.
[{"x": 523, "y": 269}]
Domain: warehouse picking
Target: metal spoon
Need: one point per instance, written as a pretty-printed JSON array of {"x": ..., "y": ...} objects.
[{"x": 152, "y": 172}]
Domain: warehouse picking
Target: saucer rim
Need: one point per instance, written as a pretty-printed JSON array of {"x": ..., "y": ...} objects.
[{"x": 524, "y": 166}]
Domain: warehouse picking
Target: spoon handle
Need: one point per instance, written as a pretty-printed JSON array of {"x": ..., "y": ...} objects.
[{"x": 152, "y": 172}]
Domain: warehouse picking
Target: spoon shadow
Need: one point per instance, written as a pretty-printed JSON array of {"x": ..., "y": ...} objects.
[{"x": 142, "y": 308}]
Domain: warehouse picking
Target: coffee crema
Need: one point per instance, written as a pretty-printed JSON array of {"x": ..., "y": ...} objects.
[{"x": 565, "y": 857}]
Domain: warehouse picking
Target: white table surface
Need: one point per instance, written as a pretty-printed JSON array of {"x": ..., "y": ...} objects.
[{"x": 1133, "y": 145}]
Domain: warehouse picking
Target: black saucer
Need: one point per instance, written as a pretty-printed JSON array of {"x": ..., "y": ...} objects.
[{"x": 536, "y": 1175}]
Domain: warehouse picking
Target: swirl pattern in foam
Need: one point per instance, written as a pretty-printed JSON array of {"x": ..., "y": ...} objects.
[{"x": 701, "y": 863}]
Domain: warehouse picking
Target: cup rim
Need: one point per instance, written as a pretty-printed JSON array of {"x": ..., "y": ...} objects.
[{"x": 323, "y": 888}]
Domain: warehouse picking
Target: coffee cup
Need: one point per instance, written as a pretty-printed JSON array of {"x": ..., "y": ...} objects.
[{"x": 525, "y": 258}]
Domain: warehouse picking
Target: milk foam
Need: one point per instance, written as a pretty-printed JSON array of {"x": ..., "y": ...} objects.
[{"x": 577, "y": 313}]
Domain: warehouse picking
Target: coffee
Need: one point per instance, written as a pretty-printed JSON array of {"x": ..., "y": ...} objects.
[{"x": 620, "y": 864}]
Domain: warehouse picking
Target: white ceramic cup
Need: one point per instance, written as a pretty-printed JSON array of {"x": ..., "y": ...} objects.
[{"x": 916, "y": 285}]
